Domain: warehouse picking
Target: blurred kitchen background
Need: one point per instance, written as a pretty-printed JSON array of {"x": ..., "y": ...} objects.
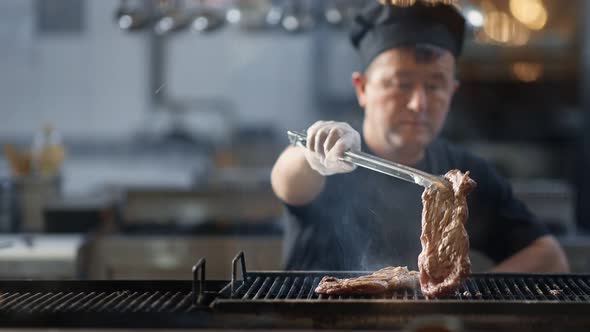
[{"x": 138, "y": 136}]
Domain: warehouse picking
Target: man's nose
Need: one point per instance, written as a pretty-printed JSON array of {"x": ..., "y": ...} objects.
[{"x": 417, "y": 102}]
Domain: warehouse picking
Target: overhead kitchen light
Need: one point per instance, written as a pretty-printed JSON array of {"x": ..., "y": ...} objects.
[
  {"x": 474, "y": 17},
  {"x": 502, "y": 28},
  {"x": 531, "y": 13},
  {"x": 527, "y": 71}
]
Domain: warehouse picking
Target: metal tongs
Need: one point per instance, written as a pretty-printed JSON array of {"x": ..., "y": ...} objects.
[{"x": 377, "y": 164}]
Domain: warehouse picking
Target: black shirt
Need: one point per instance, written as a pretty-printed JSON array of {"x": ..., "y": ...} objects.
[{"x": 365, "y": 220}]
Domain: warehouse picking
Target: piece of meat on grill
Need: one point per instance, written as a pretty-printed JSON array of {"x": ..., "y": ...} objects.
[
  {"x": 385, "y": 280},
  {"x": 444, "y": 260}
]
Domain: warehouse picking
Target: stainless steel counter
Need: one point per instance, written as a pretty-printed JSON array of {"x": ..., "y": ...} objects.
[
  {"x": 39, "y": 256},
  {"x": 151, "y": 257}
]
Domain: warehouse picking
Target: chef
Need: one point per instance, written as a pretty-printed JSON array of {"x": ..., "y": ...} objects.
[{"x": 342, "y": 218}]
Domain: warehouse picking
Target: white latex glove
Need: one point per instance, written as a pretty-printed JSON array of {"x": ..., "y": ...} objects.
[{"x": 326, "y": 143}]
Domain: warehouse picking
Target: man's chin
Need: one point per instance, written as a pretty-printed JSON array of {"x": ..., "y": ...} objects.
[{"x": 413, "y": 141}]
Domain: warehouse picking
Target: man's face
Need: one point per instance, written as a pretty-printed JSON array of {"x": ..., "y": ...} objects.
[{"x": 406, "y": 101}]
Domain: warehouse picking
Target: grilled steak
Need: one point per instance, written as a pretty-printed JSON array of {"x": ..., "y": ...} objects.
[
  {"x": 381, "y": 281},
  {"x": 444, "y": 259}
]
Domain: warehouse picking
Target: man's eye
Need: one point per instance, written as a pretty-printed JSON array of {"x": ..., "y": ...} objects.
[
  {"x": 404, "y": 85},
  {"x": 432, "y": 87}
]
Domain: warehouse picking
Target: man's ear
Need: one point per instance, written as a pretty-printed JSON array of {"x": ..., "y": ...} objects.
[
  {"x": 456, "y": 85},
  {"x": 358, "y": 81}
]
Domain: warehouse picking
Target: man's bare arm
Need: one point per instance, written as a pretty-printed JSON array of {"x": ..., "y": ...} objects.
[
  {"x": 544, "y": 255},
  {"x": 293, "y": 180},
  {"x": 298, "y": 176}
]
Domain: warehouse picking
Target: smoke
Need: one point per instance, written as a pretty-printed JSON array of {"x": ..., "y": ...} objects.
[
  {"x": 375, "y": 228},
  {"x": 364, "y": 221},
  {"x": 390, "y": 215}
]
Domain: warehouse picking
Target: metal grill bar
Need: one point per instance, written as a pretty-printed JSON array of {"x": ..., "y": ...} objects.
[
  {"x": 33, "y": 304},
  {"x": 584, "y": 286},
  {"x": 102, "y": 302},
  {"x": 569, "y": 295},
  {"x": 307, "y": 289},
  {"x": 547, "y": 290},
  {"x": 184, "y": 304},
  {"x": 506, "y": 289},
  {"x": 302, "y": 289},
  {"x": 262, "y": 288},
  {"x": 63, "y": 305},
  {"x": 314, "y": 284},
  {"x": 89, "y": 302},
  {"x": 486, "y": 291},
  {"x": 534, "y": 284},
  {"x": 529, "y": 293},
  {"x": 251, "y": 288},
  {"x": 23, "y": 302},
  {"x": 517, "y": 291},
  {"x": 293, "y": 288},
  {"x": 58, "y": 301},
  {"x": 81, "y": 301},
  {"x": 555, "y": 289},
  {"x": 6, "y": 298},
  {"x": 12, "y": 299},
  {"x": 274, "y": 285},
  {"x": 170, "y": 302},
  {"x": 159, "y": 305},
  {"x": 284, "y": 287},
  {"x": 50, "y": 299},
  {"x": 405, "y": 294},
  {"x": 120, "y": 306},
  {"x": 473, "y": 289},
  {"x": 145, "y": 299},
  {"x": 119, "y": 296},
  {"x": 500, "y": 295},
  {"x": 240, "y": 288},
  {"x": 90, "y": 297},
  {"x": 134, "y": 303},
  {"x": 578, "y": 290}
]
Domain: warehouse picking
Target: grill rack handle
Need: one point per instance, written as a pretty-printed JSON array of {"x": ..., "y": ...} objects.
[
  {"x": 234, "y": 271},
  {"x": 198, "y": 282}
]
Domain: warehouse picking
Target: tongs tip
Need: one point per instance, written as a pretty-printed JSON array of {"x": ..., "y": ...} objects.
[{"x": 297, "y": 137}]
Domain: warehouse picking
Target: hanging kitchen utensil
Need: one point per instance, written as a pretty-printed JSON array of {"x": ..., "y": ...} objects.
[
  {"x": 299, "y": 16},
  {"x": 334, "y": 12},
  {"x": 171, "y": 18},
  {"x": 132, "y": 15},
  {"x": 207, "y": 18},
  {"x": 250, "y": 15},
  {"x": 275, "y": 13}
]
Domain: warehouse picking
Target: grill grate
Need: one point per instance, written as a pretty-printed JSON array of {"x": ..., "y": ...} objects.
[
  {"x": 276, "y": 286},
  {"x": 505, "y": 294},
  {"x": 485, "y": 302},
  {"x": 95, "y": 297}
]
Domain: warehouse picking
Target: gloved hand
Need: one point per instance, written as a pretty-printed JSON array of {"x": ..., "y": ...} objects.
[{"x": 326, "y": 142}]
